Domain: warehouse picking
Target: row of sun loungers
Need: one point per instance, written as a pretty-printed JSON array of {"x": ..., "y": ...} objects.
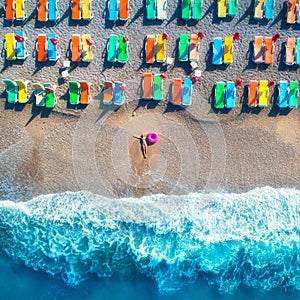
[
  {"x": 222, "y": 50},
  {"x": 292, "y": 53},
  {"x": 156, "y": 9},
  {"x": 81, "y": 10},
  {"x": 14, "y": 10},
  {"x": 46, "y": 47},
  {"x": 264, "y": 9},
  {"x": 293, "y": 11},
  {"x": 81, "y": 48},
  {"x": 155, "y": 48},
  {"x": 79, "y": 92},
  {"x": 15, "y": 46},
  {"x": 263, "y": 50},
  {"x": 47, "y": 10},
  {"x": 117, "y": 48},
  {"x": 225, "y": 94},
  {"x": 113, "y": 92},
  {"x": 188, "y": 47},
  {"x": 191, "y": 9},
  {"x": 118, "y": 10},
  {"x": 288, "y": 94},
  {"x": 227, "y": 8}
]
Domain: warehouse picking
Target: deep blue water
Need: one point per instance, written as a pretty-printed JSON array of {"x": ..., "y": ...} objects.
[{"x": 198, "y": 246}]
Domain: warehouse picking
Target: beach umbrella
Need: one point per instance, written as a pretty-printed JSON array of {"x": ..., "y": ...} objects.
[
  {"x": 54, "y": 41},
  {"x": 239, "y": 82},
  {"x": 236, "y": 37},
  {"x": 194, "y": 79},
  {"x": 271, "y": 83},
  {"x": 89, "y": 42},
  {"x": 49, "y": 89},
  {"x": 126, "y": 39},
  {"x": 163, "y": 76},
  {"x": 123, "y": 87},
  {"x": 165, "y": 36},
  {"x": 19, "y": 38},
  {"x": 275, "y": 37},
  {"x": 200, "y": 35}
]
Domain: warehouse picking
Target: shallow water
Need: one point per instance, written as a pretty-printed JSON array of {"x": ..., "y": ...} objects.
[{"x": 199, "y": 246}]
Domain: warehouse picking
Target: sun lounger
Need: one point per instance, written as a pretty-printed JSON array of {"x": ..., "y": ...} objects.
[
  {"x": 52, "y": 53},
  {"x": 123, "y": 49},
  {"x": 124, "y": 9},
  {"x": 283, "y": 94},
  {"x": 222, "y": 9},
  {"x": 108, "y": 92},
  {"x": 9, "y": 10},
  {"x": 10, "y": 46},
  {"x": 151, "y": 9},
  {"x": 230, "y": 94},
  {"x": 291, "y": 12},
  {"x": 220, "y": 95},
  {"x": 113, "y": 9},
  {"x": 157, "y": 87},
  {"x": 20, "y": 46},
  {"x": 86, "y": 13},
  {"x": 75, "y": 48},
  {"x": 194, "y": 48},
  {"x": 118, "y": 95},
  {"x": 269, "y": 9},
  {"x": 186, "y": 9},
  {"x": 74, "y": 91},
  {"x": 252, "y": 93},
  {"x": 12, "y": 90},
  {"x": 232, "y": 8},
  {"x": 161, "y": 48},
  {"x": 290, "y": 51},
  {"x": 218, "y": 51},
  {"x": 183, "y": 47},
  {"x": 22, "y": 91},
  {"x": 112, "y": 48},
  {"x": 161, "y": 9},
  {"x": 263, "y": 93},
  {"x": 50, "y": 95},
  {"x": 176, "y": 91},
  {"x": 40, "y": 94},
  {"x": 76, "y": 10},
  {"x": 41, "y": 47},
  {"x": 259, "y": 9},
  {"x": 297, "y": 52},
  {"x": 186, "y": 92},
  {"x": 149, "y": 49},
  {"x": 228, "y": 45},
  {"x": 87, "y": 54},
  {"x": 269, "y": 49},
  {"x": 42, "y": 14},
  {"x": 258, "y": 50},
  {"x": 197, "y": 9},
  {"x": 85, "y": 97},
  {"x": 293, "y": 94},
  {"x": 20, "y": 10},
  {"x": 52, "y": 10},
  {"x": 148, "y": 86},
  {"x": 298, "y": 12}
]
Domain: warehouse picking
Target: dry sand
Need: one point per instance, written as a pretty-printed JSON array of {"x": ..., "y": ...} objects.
[{"x": 72, "y": 148}]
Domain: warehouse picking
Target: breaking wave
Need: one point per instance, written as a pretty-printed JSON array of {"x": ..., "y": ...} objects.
[{"x": 231, "y": 240}]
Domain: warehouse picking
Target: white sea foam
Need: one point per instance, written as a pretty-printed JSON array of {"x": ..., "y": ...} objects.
[{"x": 231, "y": 239}]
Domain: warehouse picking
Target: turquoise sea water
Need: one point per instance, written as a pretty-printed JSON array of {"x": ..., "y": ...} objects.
[{"x": 198, "y": 246}]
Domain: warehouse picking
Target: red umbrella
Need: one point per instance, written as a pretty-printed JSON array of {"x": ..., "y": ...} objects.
[
  {"x": 239, "y": 82},
  {"x": 19, "y": 38},
  {"x": 194, "y": 79},
  {"x": 54, "y": 41},
  {"x": 49, "y": 89},
  {"x": 271, "y": 83},
  {"x": 201, "y": 35},
  {"x": 275, "y": 37},
  {"x": 89, "y": 42},
  {"x": 123, "y": 87},
  {"x": 236, "y": 37},
  {"x": 126, "y": 39},
  {"x": 165, "y": 36},
  {"x": 163, "y": 76}
]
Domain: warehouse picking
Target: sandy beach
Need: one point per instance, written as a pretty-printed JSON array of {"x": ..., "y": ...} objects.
[{"x": 93, "y": 148}]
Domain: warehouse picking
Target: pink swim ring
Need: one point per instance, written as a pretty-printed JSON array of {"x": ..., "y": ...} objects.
[{"x": 152, "y": 137}]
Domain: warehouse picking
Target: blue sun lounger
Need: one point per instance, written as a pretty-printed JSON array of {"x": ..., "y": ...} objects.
[
  {"x": 283, "y": 94},
  {"x": 230, "y": 94},
  {"x": 118, "y": 97},
  {"x": 52, "y": 10},
  {"x": 218, "y": 51},
  {"x": 269, "y": 9},
  {"x": 52, "y": 53},
  {"x": 113, "y": 10},
  {"x": 186, "y": 92},
  {"x": 20, "y": 48}
]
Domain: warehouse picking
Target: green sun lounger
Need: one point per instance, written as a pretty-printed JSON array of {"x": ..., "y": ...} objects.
[
  {"x": 183, "y": 47},
  {"x": 112, "y": 48},
  {"x": 157, "y": 87},
  {"x": 219, "y": 95},
  {"x": 232, "y": 7},
  {"x": 74, "y": 91},
  {"x": 186, "y": 9},
  {"x": 151, "y": 9},
  {"x": 297, "y": 52},
  {"x": 123, "y": 50},
  {"x": 50, "y": 95},
  {"x": 197, "y": 9},
  {"x": 12, "y": 90},
  {"x": 293, "y": 94}
]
